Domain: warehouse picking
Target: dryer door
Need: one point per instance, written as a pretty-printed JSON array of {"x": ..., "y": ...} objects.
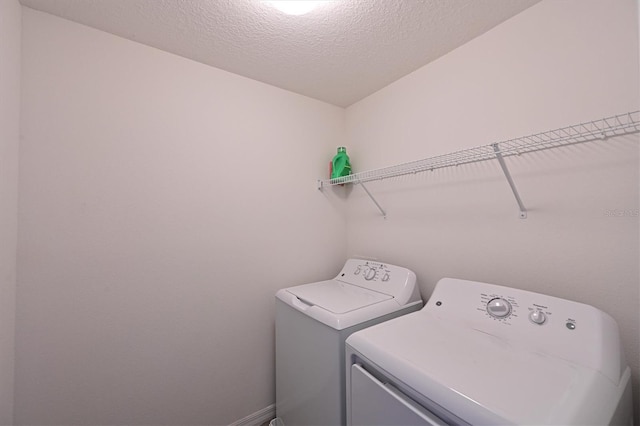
[{"x": 374, "y": 403}]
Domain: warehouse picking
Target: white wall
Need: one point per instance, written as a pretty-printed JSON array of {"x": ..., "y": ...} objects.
[
  {"x": 557, "y": 63},
  {"x": 10, "y": 23},
  {"x": 157, "y": 221},
  {"x": 162, "y": 204}
]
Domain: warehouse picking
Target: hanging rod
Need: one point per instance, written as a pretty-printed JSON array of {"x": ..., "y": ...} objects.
[{"x": 604, "y": 128}]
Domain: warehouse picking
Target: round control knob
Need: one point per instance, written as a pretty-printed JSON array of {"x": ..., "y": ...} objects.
[
  {"x": 499, "y": 307},
  {"x": 537, "y": 317},
  {"x": 370, "y": 274}
]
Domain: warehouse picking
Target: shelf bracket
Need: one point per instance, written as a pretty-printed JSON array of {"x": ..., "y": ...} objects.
[
  {"x": 523, "y": 210},
  {"x": 320, "y": 186},
  {"x": 384, "y": 214}
]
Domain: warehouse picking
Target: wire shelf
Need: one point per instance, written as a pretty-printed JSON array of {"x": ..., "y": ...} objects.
[{"x": 602, "y": 129}]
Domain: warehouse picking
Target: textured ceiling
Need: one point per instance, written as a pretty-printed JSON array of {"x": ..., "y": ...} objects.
[{"x": 339, "y": 53}]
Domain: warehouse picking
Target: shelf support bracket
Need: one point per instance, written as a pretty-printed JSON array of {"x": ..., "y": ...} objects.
[
  {"x": 384, "y": 214},
  {"x": 500, "y": 158}
]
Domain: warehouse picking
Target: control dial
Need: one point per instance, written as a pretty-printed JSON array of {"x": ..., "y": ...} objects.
[
  {"x": 370, "y": 274},
  {"x": 537, "y": 317},
  {"x": 499, "y": 308}
]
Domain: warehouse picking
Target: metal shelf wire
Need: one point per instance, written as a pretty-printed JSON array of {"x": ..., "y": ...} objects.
[
  {"x": 584, "y": 132},
  {"x": 617, "y": 125}
]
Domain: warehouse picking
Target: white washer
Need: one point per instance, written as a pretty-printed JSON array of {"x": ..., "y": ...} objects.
[
  {"x": 312, "y": 323},
  {"x": 483, "y": 354}
]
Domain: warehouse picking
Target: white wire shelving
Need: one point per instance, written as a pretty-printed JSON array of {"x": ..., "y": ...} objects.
[{"x": 602, "y": 129}]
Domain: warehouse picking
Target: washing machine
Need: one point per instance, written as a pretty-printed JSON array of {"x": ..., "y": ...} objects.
[
  {"x": 312, "y": 322},
  {"x": 482, "y": 354}
]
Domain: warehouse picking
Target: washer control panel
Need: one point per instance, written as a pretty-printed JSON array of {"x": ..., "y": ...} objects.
[
  {"x": 389, "y": 279},
  {"x": 372, "y": 271}
]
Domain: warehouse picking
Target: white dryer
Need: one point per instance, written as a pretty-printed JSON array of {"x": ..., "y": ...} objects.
[
  {"x": 312, "y": 323},
  {"x": 484, "y": 354}
]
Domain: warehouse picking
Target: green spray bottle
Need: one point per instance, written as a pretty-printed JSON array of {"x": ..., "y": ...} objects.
[{"x": 340, "y": 165}]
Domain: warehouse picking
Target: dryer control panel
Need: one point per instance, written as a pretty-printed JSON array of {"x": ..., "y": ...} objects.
[
  {"x": 396, "y": 281},
  {"x": 538, "y": 322},
  {"x": 504, "y": 307}
]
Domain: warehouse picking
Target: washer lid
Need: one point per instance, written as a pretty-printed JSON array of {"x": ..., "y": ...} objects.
[{"x": 336, "y": 296}]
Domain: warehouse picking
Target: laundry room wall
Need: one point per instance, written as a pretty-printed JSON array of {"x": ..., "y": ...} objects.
[
  {"x": 555, "y": 64},
  {"x": 10, "y": 23},
  {"x": 162, "y": 204}
]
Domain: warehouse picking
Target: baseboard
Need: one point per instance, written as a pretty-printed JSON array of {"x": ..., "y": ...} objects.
[{"x": 258, "y": 418}]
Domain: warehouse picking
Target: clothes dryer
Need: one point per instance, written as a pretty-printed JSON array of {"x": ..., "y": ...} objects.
[
  {"x": 482, "y": 354},
  {"x": 312, "y": 322}
]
